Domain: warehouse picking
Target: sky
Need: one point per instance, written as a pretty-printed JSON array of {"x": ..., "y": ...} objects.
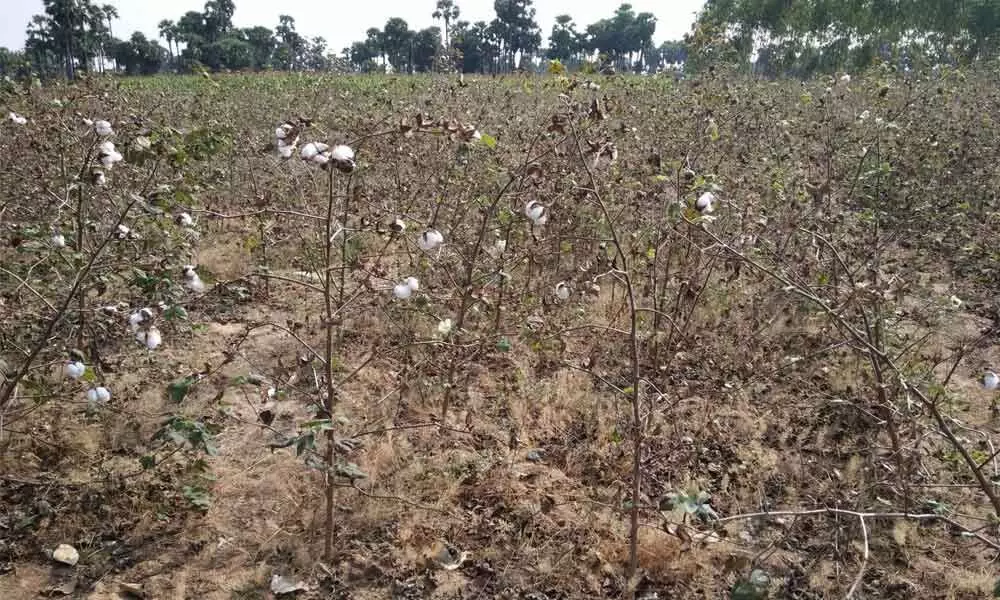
[{"x": 344, "y": 23}]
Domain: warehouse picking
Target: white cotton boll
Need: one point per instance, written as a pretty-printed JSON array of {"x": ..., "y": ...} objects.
[
  {"x": 342, "y": 154},
  {"x": 444, "y": 327},
  {"x": 99, "y": 178},
  {"x": 103, "y": 128},
  {"x": 991, "y": 380},
  {"x": 705, "y": 203},
  {"x": 185, "y": 220},
  {"x": 562, "y": 291},
  {"x": 321, "y": 159},
  {"x": 151, "y": 338},
  {"x": 59, "y": 241},
  {"x": 430, "y": 239},
  {"x": 109, "y": 160},
  {"x": 282, "y": 131},
  {"x": 195, "y": 284},
  {"x": 537, "y": 212},
  {"x": 134, "y": 320},
  {"x": 98, "y": 394},
  {"x": 74, "y": 369},
  {"x": 501, "y": 246},
  {"x": 845, "y": 78},
  {"x": 413, "y": 283},
  {"x": 398, "y": 225},
  {"x": 123, "y": 232},
  {"x": 285, "y": 151},
  {"x": 402, "y": 291},
  {"x": 106, "y": 147},
  {"x": 864, "y": 115},
  {"x": 308, "y": 151},
  {"x": 17, "y": 119}
]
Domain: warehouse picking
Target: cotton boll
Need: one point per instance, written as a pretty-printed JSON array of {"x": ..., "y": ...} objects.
[
  {"x": 705, "y": 202},
  {"x": 108, "y": 160},
  {"x": 98, "y": 178},
  {"x": 103, "y": 128},
  {"x": 444, "y": 327},
  {"x": 88, "y": 122},
  {"x": 537, "y": 212},
  {"x": 398, "y": 225},
  {"x": 58, "y": 241},
  {"x": 106, "y": 147},
  {"x": 185, "y": 220},
  {"x": 98, "y": 394},
  {"x": 991, "y": 380},
  {"x": 151, "y": 338},
  {"x": 413, "y": 283},
  {"x": 74, "y": 369},
  {"x": 321, "y": 159},
  {"x": 192, "y": 280},
  {"x": 430, "y": 239},
  {"x": 285, "y": 151},
  {"x": 123, "y": 232},
  {"x": 308, "y": 151},
  {"x": 402, "y": 291},
  {"x": 562, "y": 290},
  {"x": 343, "y": 158},
  {"x": 17, "y": 119}
]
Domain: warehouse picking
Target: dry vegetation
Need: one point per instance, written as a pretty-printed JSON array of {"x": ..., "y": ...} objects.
[{"x": 816, "y": 343}]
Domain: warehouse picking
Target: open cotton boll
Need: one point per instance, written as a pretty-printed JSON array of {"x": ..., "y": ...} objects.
[
  {"x": 562, "y": 290},
  {"x": 98, "y": 394},
  {"x": 74, "y": 369},
  {"x": 321, "y": 159},
  {"x": 413, "y": 283},
  {"x": 705, "y": 202},
  {"x": 192, "y": 280},
  {"x": 58, "y": 241},
  {"x": 109, "y": 159},
  {"x": 398, "y": 225},
  {"x": 103, "y": 128},
  {"x": 991, "y": 380},
  {"x": 343, "y": 158},
  {"x": 106, "y": 147},
  {"x": 402, "y": 291},
  {"x": 17, "y": 119},
  {"x": 98, "y": 178},
  {"x": 444, "y": 327},
  {"x": 537, "y": 212},
  {"x": 308, "y": 151},
  {"x": 185, "y": 220},
  {"x": 151, "y": 338},
  {"x": 285, "y": 151},
  {"x": 430, "y": 239}
]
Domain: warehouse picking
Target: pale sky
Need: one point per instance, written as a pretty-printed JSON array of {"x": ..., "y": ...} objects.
[{"x": 341, "y": 24}]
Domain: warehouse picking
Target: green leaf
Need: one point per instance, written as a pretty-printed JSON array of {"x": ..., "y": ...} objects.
[
  {"x": 175, "y": 313},
  {"x": 488, "y": 140},
  {"x": 996, "y": 589},
  {"x": 351, "y": 471},
  {"x": 89, "y": 376},
  {"x": 179, "y": 389},
  {"x": 148, "y": 461},
  {"x": 503, "y": 345},
  {"x": 304, "y": 442}
]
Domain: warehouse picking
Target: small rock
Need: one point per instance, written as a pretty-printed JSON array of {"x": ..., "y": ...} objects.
[
  {"x": 66, "y": 554},
  {"x": 132, "y": 590}
]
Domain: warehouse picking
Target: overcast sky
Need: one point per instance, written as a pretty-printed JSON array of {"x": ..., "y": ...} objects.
[{"x": 343, "y": 23}]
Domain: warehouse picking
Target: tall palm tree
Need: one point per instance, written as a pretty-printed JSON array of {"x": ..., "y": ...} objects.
[
  {"x": 168, "y": 31},
  {"x": 446, "y": 11},
  {"x": 110, "y": 12}
]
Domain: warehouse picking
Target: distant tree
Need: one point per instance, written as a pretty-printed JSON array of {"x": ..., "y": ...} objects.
[
  {"x": 262, "y": 44},
  {"x": 291, "y": 45},
  {"x": 140, "y": 56},
  {"x": 218, "y": 19},
  {"x": 426, "y": 44},
  {"x": 447, "y": 11},
  {"x": 168, "y": 31},
  {"x": 514, "y": 30},
  {"x": 397, "y": 41},
  {"x": 564, "y": 41}
]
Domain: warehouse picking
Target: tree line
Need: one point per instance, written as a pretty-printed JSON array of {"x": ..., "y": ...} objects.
[
  {"x": 73, "y": 36},
  {"x": 799, "y": 38}
]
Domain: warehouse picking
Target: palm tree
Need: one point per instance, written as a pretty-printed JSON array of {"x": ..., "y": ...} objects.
[
  {"x": 446, "y": 11},
  {"x": 168, "y": 31},
  {"x": 110, "y": 12}
]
